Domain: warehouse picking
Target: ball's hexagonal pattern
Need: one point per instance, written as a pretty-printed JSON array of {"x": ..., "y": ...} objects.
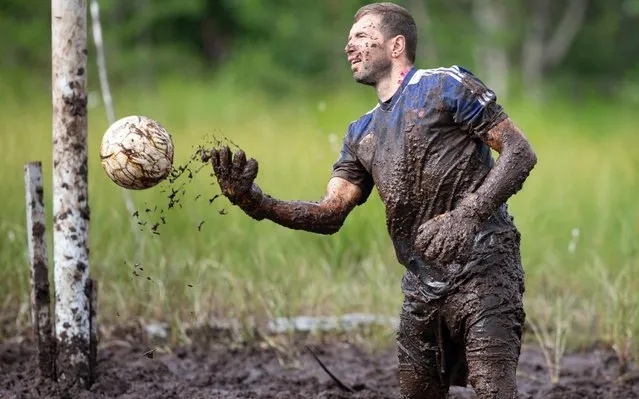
[{"x": 136, "y": 152}]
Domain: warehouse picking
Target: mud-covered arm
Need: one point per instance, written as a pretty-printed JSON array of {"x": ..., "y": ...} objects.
[
  {"x": 325, "y": 216},
  {"x": 236, "y": 175},
  {"x": 449, "y": 237},
  {"x": 516, "y": 160},
  {"x": 474, "y": 109}
]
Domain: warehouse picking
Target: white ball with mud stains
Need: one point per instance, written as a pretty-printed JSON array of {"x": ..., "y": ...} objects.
[{"x": 136, "y": 152}]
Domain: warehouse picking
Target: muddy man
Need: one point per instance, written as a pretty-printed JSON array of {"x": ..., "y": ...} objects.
[{"x": 426, "y": 146}]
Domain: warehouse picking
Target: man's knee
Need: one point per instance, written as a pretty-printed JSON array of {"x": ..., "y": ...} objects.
[
  {"x": 418, "y": 375},
  {"x": 493, "y": 379},
  {"x": 493, "y": 345},
  {"x": 496, "y": 335}
]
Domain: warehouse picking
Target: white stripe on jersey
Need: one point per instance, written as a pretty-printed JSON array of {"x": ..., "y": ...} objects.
[
  {"x": 488, "y": 95},
  {"x": 454, "y": 73}
]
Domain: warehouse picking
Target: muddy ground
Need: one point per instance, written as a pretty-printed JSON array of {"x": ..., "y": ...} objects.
[{"x": 266, "y": 370}]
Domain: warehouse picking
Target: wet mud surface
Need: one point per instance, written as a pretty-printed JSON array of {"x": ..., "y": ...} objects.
[{"x": 130, "y": 370}]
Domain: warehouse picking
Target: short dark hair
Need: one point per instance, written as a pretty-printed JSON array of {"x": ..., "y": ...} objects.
[{"x": 395, "y": 20}]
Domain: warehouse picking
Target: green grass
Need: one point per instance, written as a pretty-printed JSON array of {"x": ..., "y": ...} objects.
[{"x": 586, "y": 179}]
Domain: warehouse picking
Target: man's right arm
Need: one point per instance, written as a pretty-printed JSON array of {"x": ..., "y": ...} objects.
[
  {"x": 235, "y": 176},
  {"x": 325, "y": 216}
]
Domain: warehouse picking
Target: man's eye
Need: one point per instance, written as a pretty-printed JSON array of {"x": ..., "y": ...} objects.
[{"x": 360, "y": 35}]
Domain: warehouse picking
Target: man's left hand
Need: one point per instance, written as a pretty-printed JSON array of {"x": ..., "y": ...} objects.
[{"x": 449, "y": 237}]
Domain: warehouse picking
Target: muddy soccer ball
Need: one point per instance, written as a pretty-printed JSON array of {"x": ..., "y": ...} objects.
[{"x": 136, "y": 152}]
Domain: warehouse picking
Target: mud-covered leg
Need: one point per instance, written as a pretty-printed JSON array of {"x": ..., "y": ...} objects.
[
  {"x": 492, "y": 352},
  {"x": 492, "y": 310},
  {"x": 418, "y": 350},
  {"x": 419, "y": 377},
  {"x": 487, "y": 313}
]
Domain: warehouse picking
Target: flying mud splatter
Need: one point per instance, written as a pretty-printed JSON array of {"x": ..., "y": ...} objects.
[
  {"x": 178, "y": 185},
  {"x": 180, "y": 192}
]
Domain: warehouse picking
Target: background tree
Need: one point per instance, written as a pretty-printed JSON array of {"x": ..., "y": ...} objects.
[{"x": 583, "y": 45}]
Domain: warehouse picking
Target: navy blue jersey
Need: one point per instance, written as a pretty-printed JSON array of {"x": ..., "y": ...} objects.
[{"x": 424, "y": 151}]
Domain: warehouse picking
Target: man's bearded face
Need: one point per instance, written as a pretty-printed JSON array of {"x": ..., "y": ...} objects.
[{"x": 367, "y": 51}]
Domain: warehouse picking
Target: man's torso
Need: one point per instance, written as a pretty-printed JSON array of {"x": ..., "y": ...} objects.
[{"x": 423, "y": 153}]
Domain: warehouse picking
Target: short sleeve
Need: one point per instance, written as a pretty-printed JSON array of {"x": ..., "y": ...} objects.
[
  {"x": 473, "y": 105},
  {"x": 349, "y": 168}
]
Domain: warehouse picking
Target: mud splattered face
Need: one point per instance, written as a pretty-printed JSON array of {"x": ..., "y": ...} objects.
[{"x": 367, "y": 52}]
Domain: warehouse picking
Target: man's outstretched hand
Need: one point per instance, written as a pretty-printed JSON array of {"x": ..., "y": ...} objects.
[
  {"x": 235, "y": 174},
  {"x": 449, "y": 237}
]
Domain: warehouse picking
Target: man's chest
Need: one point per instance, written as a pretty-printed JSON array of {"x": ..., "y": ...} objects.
[{"x": 412, "y": 141}]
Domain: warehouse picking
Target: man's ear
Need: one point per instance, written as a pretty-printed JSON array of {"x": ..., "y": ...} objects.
[{"x": 398, "y": 46}]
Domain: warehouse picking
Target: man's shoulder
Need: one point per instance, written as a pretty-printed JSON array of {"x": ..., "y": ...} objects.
[
  {"x": 454, "y": 73},
  {"x": 450, "y": 83},
  {"x": 358, "y": 128},
  {"x": 449, "y": 77}
]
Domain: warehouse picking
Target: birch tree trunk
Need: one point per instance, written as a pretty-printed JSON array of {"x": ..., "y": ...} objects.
[
  {"x": 70, "y": 194},
  {"x": 37, "y": 244}
]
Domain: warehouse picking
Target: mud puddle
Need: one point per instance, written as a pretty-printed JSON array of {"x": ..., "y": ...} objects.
[{"x": 130, "y": 370}]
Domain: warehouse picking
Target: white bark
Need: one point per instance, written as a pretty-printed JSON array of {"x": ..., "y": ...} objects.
[
  {"x": 102, "y": 70},
  {"x": 36, "y": 239},
  {"x": 70, "y": 194}
]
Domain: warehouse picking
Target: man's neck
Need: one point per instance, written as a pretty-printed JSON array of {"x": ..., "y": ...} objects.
[{"x": 388, "y": 85}]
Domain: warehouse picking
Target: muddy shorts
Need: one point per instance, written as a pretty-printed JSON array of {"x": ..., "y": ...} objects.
[{"x": 470, "y": 335}]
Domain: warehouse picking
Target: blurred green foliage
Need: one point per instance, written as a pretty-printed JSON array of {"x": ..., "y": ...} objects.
[{"x": 276, "y": 44}]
